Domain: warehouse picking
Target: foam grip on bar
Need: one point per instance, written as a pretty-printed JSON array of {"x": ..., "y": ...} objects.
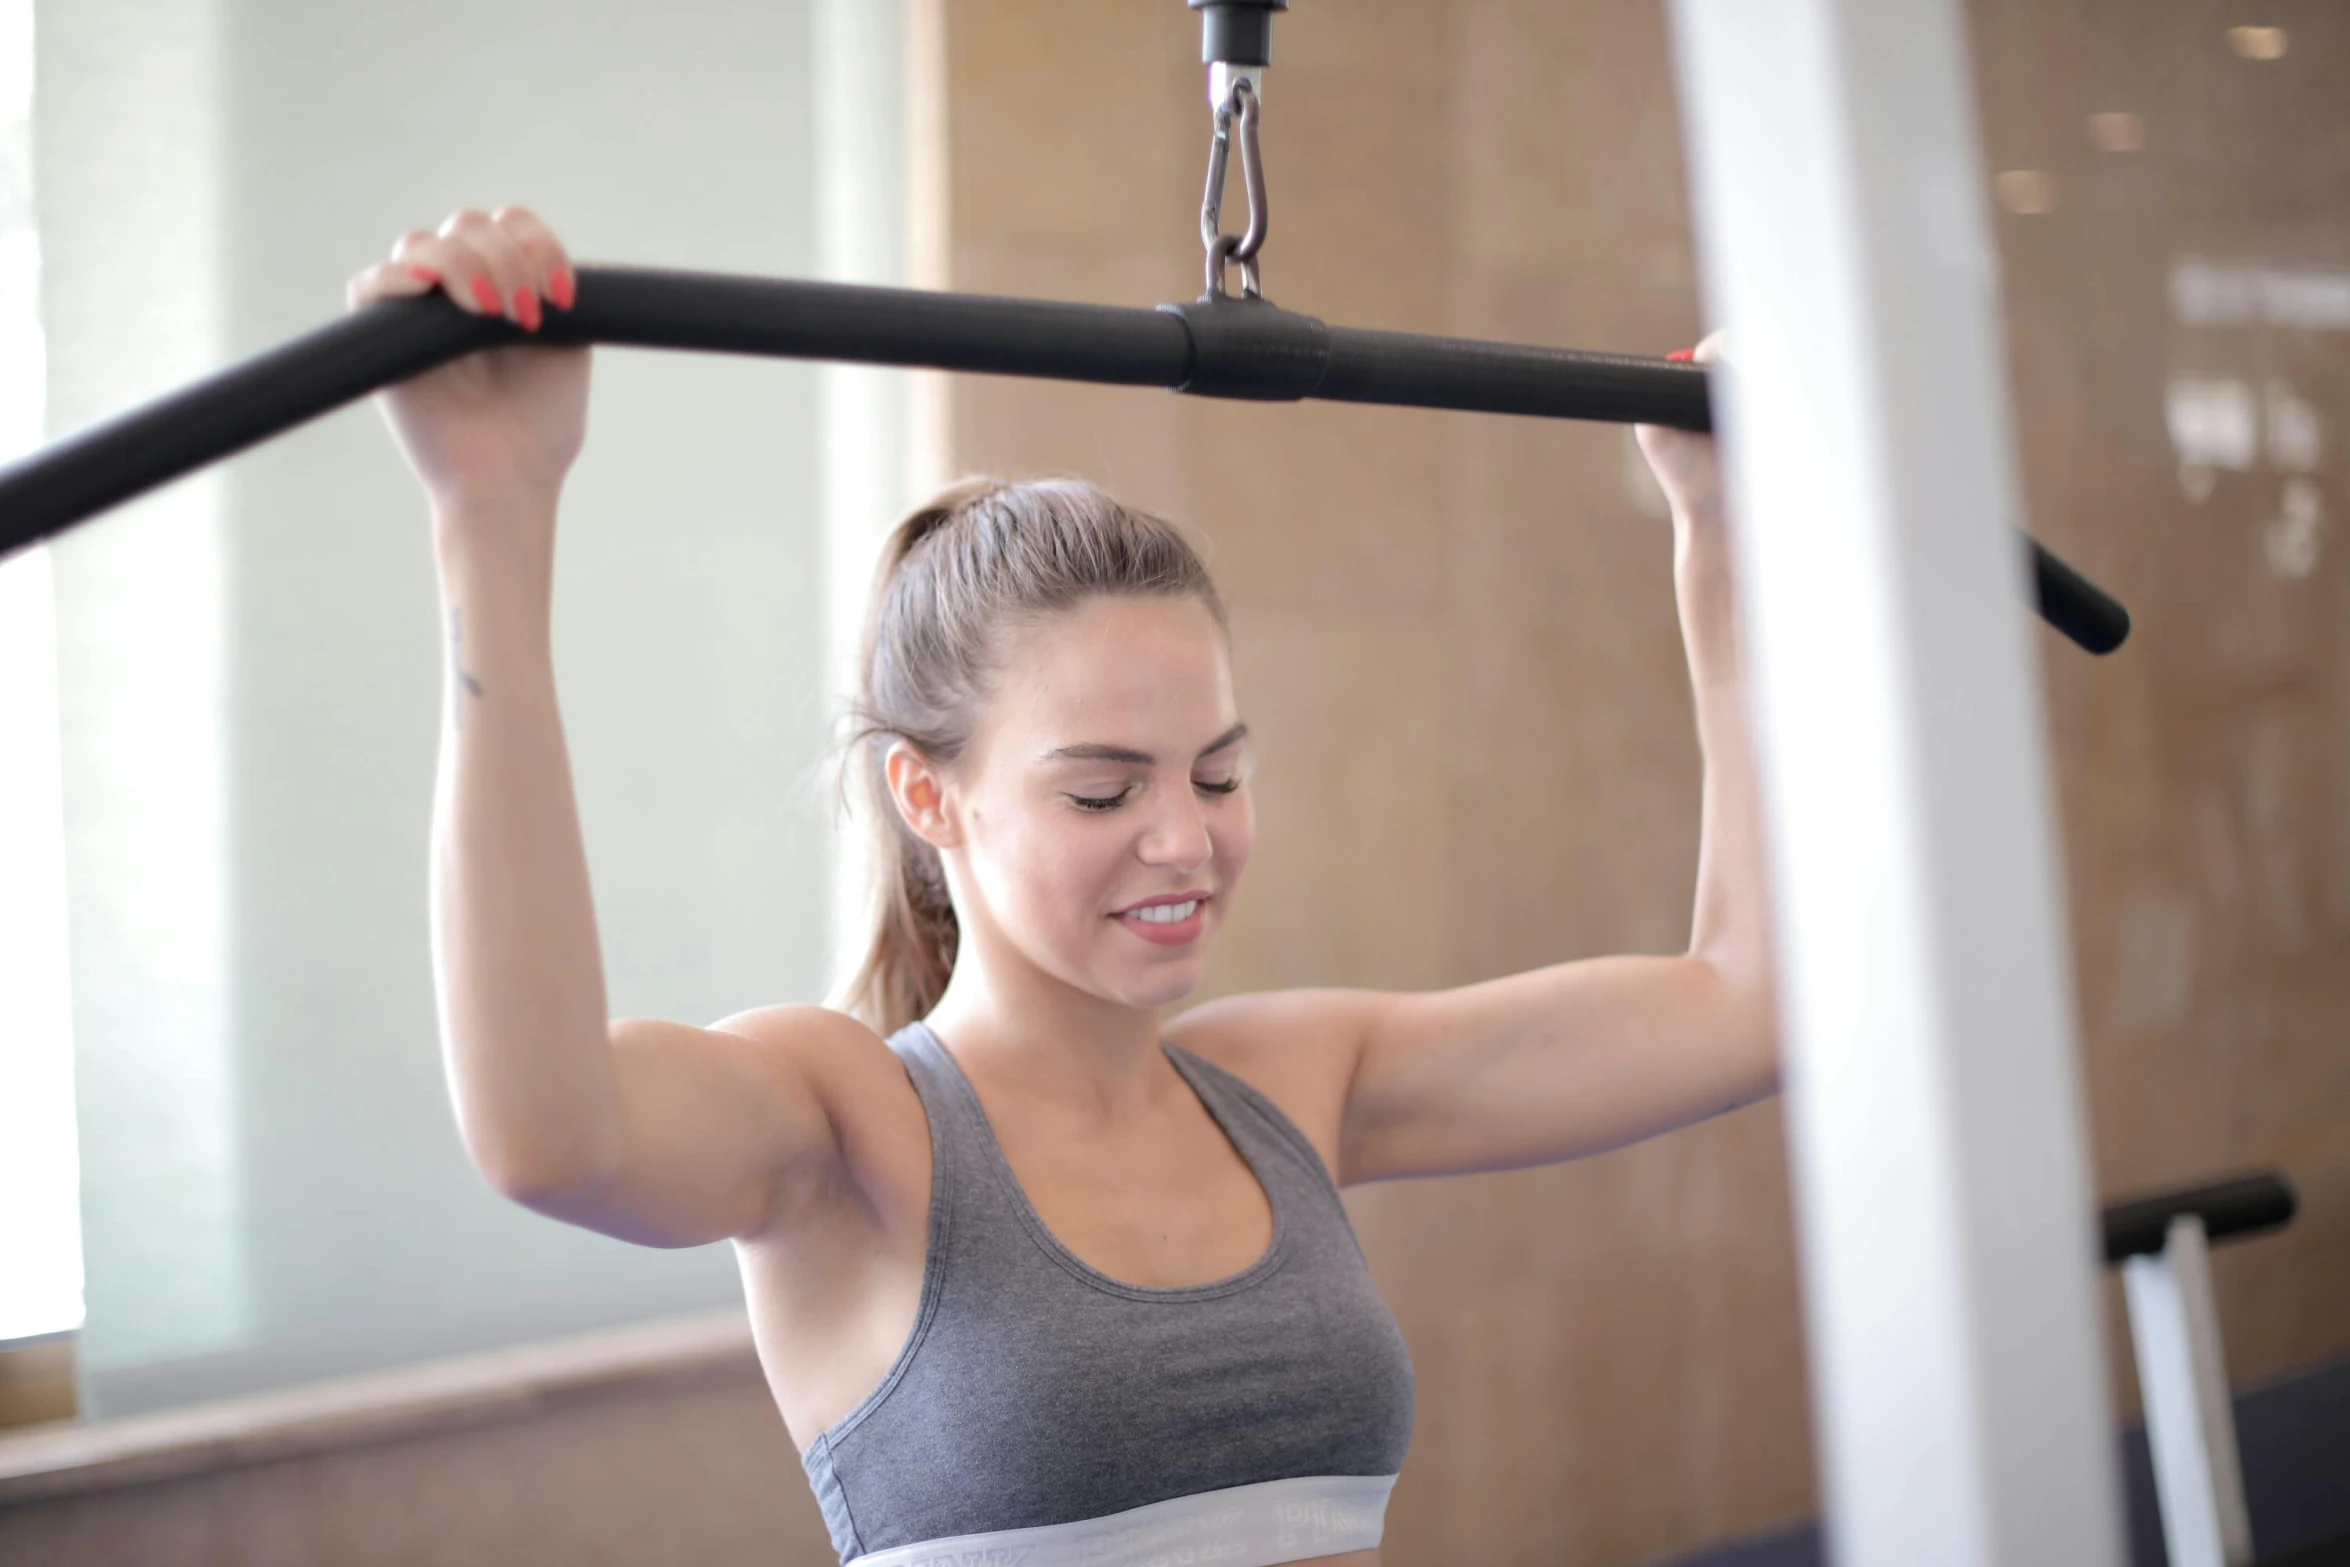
[
  {"x": 786, "y": 318},
  {"x": 1406, "y": 369},
  {"x": 121, "y": 458},
  {"x": 2243, "y": 1205},
  {"x": 118, "y": 459}
]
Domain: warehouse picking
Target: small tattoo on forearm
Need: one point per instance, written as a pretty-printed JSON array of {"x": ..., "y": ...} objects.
[{"x": 462, "y": 683}]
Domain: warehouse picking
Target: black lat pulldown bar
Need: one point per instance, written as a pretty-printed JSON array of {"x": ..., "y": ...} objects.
[{"x": 1224, "y": 348}]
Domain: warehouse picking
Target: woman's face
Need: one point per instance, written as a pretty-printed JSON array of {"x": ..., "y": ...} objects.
[{"x": 1099, "y": 819}]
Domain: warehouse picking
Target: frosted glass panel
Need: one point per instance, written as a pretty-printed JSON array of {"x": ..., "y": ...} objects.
[{"x": 251, "y": 680}]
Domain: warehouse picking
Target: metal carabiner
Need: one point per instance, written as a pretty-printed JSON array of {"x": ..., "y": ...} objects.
[{"x": 1224, "y": 249}]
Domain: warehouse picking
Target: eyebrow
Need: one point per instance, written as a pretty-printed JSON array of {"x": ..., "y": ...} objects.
[{"x": 1133, "y": 758}]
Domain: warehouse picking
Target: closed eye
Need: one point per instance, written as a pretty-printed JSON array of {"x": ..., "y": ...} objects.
[{"x": 1110, "y": 802}]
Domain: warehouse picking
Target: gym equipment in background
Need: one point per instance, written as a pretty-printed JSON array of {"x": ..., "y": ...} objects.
[{"x": 2162, "y": 1245}]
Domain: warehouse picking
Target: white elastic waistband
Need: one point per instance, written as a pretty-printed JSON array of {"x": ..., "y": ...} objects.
[{"x": 1246, "y": 1526}]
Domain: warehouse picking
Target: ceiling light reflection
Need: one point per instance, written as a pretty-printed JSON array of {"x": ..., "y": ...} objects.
[
  {"x": 2258, "y": 43},
  {"x": 2118, "y": 131},
  {"x": 2028, "y": 192}
]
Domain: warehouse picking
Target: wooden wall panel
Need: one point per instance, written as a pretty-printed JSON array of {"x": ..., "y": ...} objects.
[
  {"x": 1456, "y": 639},
  {"x": 693, "y": 1472},
  {"x": 2204, "y": 774}
]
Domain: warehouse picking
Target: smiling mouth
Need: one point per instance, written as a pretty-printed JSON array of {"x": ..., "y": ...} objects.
[{"x": 1164, "y": 913}]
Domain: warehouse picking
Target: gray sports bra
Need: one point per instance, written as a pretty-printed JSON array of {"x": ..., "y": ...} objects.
[{"x": 1044, "y": 1413}]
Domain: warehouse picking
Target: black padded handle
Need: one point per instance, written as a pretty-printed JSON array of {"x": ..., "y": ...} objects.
[
  {"x": 1260, "y": 352},
  {"x": 2240, "y": 1206}
]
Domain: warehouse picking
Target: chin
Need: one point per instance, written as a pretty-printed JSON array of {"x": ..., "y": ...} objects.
[
  {"x": 1151, "y": 984},
  {"x": 1114, "y": 968},
  {"x": 1165, "y": 989}
]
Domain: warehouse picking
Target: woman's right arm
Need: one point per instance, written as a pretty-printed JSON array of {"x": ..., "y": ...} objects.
[{"x": 654, "y": 1132}]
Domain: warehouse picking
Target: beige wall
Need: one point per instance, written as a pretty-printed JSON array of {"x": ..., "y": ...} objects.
[{"x": 1456, "y": 638}]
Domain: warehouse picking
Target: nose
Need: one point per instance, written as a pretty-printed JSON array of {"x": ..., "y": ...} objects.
[{"x": 1176, "y": 837}]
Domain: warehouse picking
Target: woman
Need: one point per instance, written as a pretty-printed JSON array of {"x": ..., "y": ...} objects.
[{"x": 1039, "y": 1277}]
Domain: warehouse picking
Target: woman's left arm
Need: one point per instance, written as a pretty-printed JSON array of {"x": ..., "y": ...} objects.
[{"x": 1583, "y": 1056}]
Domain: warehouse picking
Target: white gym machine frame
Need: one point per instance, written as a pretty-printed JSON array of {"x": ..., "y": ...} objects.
[{"x": 1938, "y": 1138}]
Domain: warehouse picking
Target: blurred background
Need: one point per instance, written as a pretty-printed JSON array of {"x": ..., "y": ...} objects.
[{"x": 249, "y": 1286}]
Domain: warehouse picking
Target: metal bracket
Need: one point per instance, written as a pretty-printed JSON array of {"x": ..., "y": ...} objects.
[{"x": 1252, "y": 349}]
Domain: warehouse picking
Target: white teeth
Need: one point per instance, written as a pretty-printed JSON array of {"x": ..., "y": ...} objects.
[{"x": 1166, "y": 913}]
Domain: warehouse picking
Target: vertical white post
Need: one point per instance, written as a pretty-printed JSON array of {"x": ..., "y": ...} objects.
[
  {"x": 1945, "y": 1211},
  {"x": 2190, "y": 1422},
  {"x": 861, "y": 155},
  {"x": 127, "y": 145}
]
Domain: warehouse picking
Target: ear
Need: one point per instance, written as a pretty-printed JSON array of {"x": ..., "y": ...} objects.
[{"x": 919, "y": 789}]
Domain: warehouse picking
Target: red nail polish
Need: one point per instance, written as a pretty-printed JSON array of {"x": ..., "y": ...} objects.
[
  {"x": 485, "y": 294},
  {"x": 423, "y": 274},
  {"x": 1682, "y": 355},
  {"x": 563, "y": 288},
  {"x": 526, "y": 309}
]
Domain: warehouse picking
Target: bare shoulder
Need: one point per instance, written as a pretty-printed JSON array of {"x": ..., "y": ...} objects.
[
  {"x": 817, "y": 1040},
  {"x": 1298, "y": 1048}
]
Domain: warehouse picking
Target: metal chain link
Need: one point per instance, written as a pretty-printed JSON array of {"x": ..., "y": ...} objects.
[{"x": 1224, "y": 249}]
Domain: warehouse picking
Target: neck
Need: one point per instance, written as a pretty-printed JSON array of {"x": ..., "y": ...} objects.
[{"x": 1018, "y": 1025}]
